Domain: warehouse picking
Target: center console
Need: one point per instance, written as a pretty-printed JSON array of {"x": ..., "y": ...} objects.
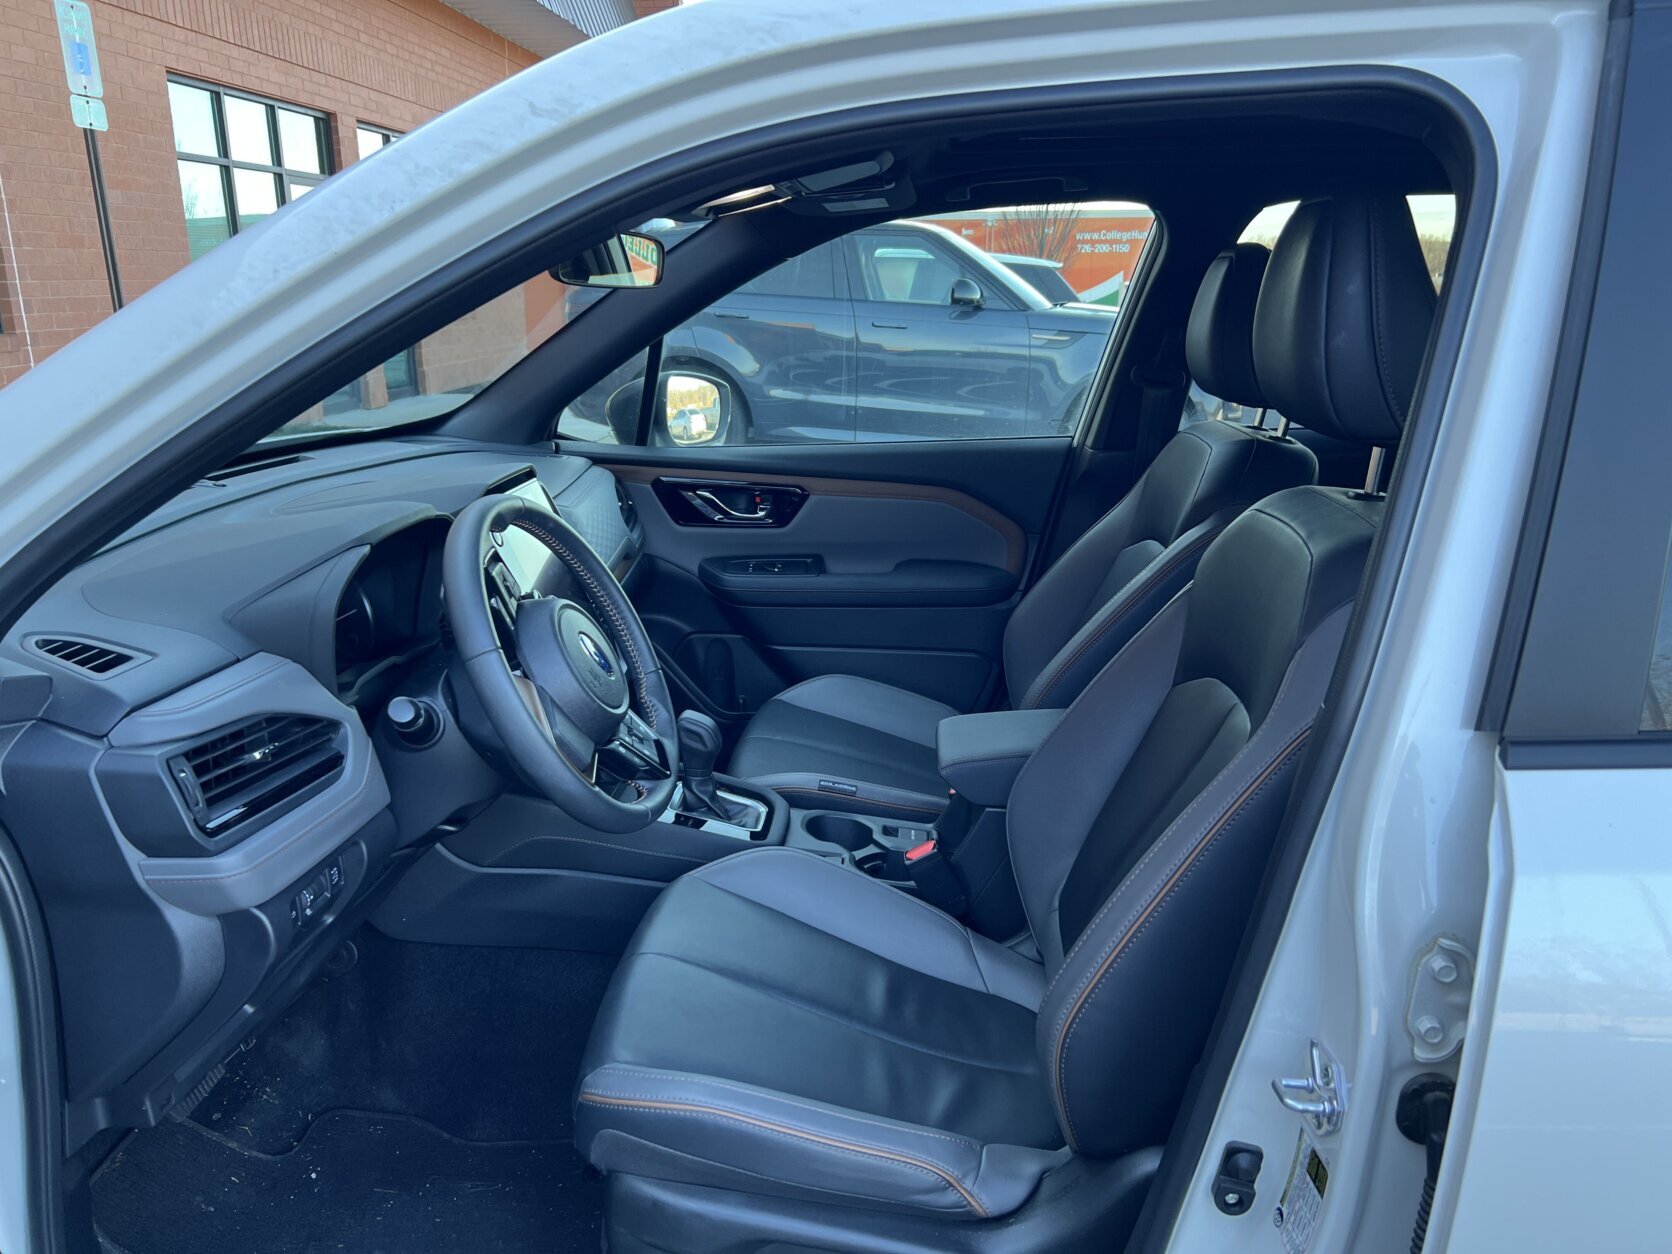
[
  {"x": 962, "y": 862},
  {"x": 879, "y": 847}
]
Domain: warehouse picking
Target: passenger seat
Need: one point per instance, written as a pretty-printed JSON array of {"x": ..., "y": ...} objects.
[{"x": 842, "y": 742}]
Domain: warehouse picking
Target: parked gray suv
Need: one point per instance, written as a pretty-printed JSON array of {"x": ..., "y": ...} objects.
[{"x": 895, "y": 332}]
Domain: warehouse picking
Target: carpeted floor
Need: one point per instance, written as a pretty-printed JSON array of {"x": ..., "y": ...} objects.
[
  {"x": 417, "y": 1104},
  {"x": 368, "y": 1183}
]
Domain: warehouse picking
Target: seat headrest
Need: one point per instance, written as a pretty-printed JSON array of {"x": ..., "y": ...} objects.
[
  {"x": 1219, "y": 340},
  {"x": 1343, "y": 317}
]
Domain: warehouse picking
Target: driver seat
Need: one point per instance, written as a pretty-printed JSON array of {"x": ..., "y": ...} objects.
[{"x": 793, "y": 1051}]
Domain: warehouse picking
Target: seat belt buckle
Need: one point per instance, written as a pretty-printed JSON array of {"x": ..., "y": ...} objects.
[{"x": 935, "y": 878}]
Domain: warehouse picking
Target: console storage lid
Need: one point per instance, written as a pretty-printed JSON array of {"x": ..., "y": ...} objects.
[{"x": 980, "y": 755}]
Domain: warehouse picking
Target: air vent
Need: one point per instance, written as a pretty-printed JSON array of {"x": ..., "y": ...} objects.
[
  {"x": 87, "y": 655},
  {"x": 255, "y": 767}
]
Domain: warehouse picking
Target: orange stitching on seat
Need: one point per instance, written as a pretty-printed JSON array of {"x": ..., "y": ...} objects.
[
  {"x": 800, "y": 1133},
  {"x": 1144, "y": 915}
]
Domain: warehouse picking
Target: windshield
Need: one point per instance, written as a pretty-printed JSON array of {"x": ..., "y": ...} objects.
[{"x": 444, "y": 370}]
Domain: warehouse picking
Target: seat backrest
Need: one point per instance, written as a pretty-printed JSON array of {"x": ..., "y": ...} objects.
[
  {"x": 1140, "y": 830},
  {"x": 1138, "y": 555}
]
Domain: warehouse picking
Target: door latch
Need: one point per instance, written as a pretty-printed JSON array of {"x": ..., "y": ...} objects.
[{"x": 1321, "y": 1096}]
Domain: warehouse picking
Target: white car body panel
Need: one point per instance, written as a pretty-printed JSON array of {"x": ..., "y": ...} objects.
[
  {"x": 1574, "y": 1042},
  {"x": 1401, "y": 855}
]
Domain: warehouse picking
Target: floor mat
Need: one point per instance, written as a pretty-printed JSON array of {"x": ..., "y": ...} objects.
[
  {"x": 482, "y": 1042},
  {"x": 362, "y": 1182}
]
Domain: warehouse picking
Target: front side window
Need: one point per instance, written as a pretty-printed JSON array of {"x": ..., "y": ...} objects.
[
  {"x": 912, "y": 330},
  {"x": 239, "y": 158}
]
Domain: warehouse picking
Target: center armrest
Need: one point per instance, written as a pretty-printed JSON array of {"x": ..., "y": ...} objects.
[{"x": 981, "y": 755}]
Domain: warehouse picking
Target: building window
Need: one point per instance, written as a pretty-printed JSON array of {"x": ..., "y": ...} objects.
[
  {"x": 240, "y": 158},
  {"x": 369, "y": 139}
]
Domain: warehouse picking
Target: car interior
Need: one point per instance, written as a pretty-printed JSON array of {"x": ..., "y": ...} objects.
[{"x": 463, "y": 834}]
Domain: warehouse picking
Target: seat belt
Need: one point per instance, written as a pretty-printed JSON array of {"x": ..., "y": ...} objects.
[{"x": 1162, "y": 385}]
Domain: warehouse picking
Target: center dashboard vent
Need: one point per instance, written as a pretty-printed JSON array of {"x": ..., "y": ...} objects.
[
  {"x": 255, "y": 767},
  {"x": 87, "y": 655}
]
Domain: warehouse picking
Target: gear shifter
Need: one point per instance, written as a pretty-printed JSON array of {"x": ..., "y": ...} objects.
[{"x": 699, "y": 745}]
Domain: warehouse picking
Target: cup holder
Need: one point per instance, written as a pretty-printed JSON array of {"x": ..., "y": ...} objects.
[{"x": 851, "y": 834}]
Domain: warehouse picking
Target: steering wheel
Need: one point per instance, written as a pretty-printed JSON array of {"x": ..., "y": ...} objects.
[{"x": 572, "y": 687}]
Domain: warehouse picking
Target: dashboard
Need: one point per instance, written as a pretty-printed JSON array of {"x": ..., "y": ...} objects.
[{"x": 191, "y": 760}]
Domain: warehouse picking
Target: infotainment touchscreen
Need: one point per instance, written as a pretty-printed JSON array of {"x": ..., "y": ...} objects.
[{"x": 525, "y": 556}]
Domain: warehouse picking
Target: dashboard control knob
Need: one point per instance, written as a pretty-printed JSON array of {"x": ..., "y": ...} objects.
[{"x": 414, "y": 721}]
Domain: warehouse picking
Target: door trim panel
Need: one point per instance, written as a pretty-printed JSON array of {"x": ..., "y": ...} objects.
[{"x": 1014, "y": 539}]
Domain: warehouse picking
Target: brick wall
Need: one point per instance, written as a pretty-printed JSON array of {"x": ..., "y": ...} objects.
[{"x": 393, "y": 63}]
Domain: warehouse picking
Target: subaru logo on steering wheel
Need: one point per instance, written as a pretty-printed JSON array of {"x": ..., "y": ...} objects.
[{"x": 595, "y": 651}]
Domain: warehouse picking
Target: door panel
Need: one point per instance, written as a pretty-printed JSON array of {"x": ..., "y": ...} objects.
[{"x": 901, "y": 564}]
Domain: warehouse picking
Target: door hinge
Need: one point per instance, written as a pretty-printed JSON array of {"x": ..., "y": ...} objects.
[{"x": 1438, "y": 1014}]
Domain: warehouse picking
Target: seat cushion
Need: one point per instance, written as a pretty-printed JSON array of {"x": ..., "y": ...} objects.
[
  {"x": 782, "y": 1023},
  {"x": 839, "y": 742}
]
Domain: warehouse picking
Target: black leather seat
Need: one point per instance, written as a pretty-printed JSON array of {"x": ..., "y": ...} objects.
[
  {"x": 844, "y": 742},
  {"x": 791, "y": 1049}
]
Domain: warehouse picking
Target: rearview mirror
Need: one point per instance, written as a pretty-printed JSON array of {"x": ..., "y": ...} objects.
[
  {"x": 625, "y": 260},
  {"x": 967, "y": 292}
]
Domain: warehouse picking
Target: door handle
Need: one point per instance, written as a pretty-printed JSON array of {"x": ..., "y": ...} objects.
[
  {"x": 727, "y": 503},
  {"x": 1052, "y": 337},
  {"x": 721, "y": 510},
  {"x": 741, "y": 317},
  {"x": 890, "y": 326}
]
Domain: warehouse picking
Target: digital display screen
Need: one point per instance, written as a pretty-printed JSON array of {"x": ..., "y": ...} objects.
[{"x": 524, "y": 556}]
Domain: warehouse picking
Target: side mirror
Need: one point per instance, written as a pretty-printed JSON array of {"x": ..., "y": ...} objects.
[
  {"x": 967, "y": 292},
  {"x": 625, "y": 260},
  {"x": 695, "y": 409}
]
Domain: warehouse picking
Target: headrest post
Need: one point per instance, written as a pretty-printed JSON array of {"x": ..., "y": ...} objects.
[
  {"x": 1282, "y": 427},
  {"x": 1259, "y": 417},
  {"x": 1373, "y": 478}
]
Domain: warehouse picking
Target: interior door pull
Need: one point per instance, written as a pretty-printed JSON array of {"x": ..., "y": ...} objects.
[{"x": 726, "y": 511}]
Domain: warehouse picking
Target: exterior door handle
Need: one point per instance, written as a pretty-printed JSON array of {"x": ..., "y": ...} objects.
[
  {"x": 890, "y": 326},
  {"x": 741, "y": 317}
]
